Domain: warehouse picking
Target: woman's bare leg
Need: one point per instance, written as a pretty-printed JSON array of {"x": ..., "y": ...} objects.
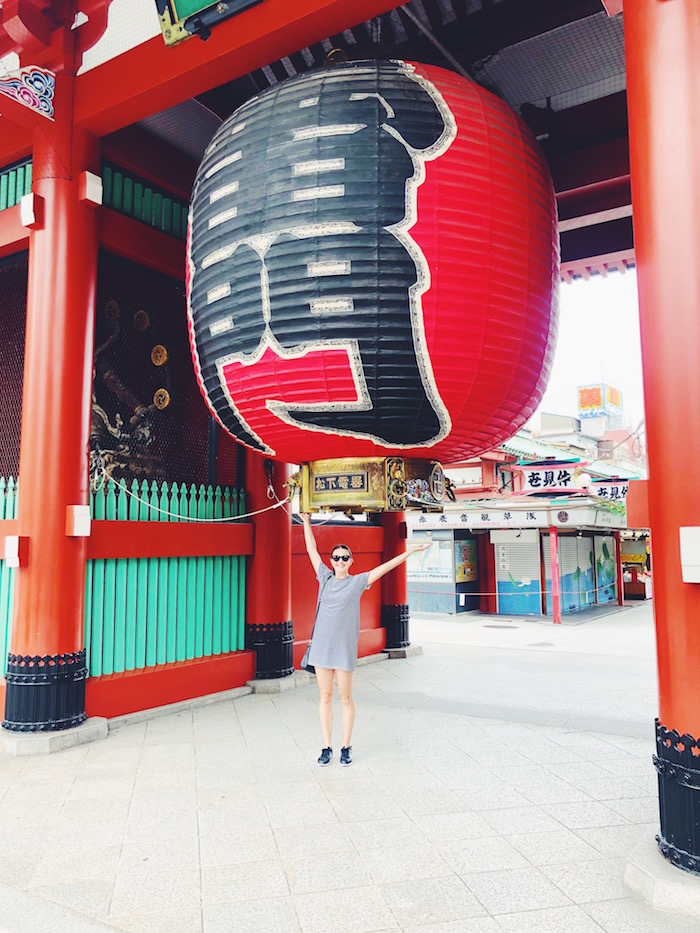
[
  {"x": 324, "y": 679},
  {"x": 344, "y": 680}
]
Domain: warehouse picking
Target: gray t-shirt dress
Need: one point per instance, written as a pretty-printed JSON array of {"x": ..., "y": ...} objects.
[{"x": 337, "y": 630}]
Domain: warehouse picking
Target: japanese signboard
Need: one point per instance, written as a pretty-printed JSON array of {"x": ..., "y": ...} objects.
[
  {"x": 487, "y": 517},
  {"x": 611, "y": 492},
  {"x": 550, "y": 478}
]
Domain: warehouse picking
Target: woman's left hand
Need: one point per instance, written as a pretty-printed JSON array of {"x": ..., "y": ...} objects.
[{"x": 414, "y": 548}]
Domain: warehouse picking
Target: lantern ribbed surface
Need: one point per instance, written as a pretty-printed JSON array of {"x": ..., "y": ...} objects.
[{"x": 373, "y": 267}]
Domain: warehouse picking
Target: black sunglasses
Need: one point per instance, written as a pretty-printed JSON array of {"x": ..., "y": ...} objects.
[{"x": 343, "y": 557}]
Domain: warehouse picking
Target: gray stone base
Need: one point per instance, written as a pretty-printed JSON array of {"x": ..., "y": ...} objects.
[
  {"x": 281, "y": 684},
  {"x": 44, "y": 743},
  {"x": 410, "y": 652},
  {"x": 301, "y": 678},
  {"x": 659, "y": 883},
  {"x": 373, "y": 658},
  {"x": 143, "y": 715}
]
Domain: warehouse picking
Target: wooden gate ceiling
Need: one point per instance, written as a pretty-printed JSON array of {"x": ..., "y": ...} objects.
[{"x": 559, "y": 63}]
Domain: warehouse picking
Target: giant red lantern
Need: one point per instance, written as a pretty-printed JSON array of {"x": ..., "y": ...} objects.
[{"x": 373, "y": 267}]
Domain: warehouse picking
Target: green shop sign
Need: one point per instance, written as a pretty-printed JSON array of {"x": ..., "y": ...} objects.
[{"x": 180, "y": 19}]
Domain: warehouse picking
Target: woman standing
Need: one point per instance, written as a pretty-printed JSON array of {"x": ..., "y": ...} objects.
[{"x": 337, "y": 632}]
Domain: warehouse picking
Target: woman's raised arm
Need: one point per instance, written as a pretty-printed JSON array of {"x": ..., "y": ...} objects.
[
  {"x": 310, "y": 542},
  {"x": 376, "y": 573}
]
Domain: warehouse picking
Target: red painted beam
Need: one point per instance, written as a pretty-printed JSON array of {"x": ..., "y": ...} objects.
[
  {"x": 152, "y": 77},
  {"x": 132, "y": 691},
  {"x": 111, "y": 539},
  {"x": 15, "y": 142},
  {"x": 586, "y": 170},
  {"x": 142, "y": 244},
  {"x": 13, "y": 236},
  {"x": 152, "y": 159}
]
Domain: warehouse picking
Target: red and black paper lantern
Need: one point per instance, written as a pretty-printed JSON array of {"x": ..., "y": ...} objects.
[{"x": 373, "y": 267}]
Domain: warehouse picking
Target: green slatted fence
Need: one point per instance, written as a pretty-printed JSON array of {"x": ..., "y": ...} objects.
[
  {"x": 129, "y": 194},
  {"x": 141, "y": 612},
  {"x": 15, "y": 182},
  {"x": 8, "y": 509}
]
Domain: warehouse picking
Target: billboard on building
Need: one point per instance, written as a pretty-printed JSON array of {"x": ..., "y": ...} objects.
[{"x": 597, "y": 400}]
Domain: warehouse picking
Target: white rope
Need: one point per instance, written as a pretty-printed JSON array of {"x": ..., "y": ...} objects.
[{"x": 187, "y": 518}]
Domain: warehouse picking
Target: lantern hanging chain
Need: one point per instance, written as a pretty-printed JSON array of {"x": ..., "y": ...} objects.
[{"x": 155, "y": 508}]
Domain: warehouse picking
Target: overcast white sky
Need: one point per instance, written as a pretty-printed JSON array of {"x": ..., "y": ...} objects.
[{"x": 598, "y": 342}]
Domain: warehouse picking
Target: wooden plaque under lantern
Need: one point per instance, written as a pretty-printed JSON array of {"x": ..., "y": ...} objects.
[{"x": 370, "y": 484}]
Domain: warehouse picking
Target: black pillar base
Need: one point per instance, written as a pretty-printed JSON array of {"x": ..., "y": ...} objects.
[
  {"x": 679, "y": 798},
  {"x": 395, "y": 619},
  {"x": 45, "y": 693},
  {"x": 272, "y": 644}
]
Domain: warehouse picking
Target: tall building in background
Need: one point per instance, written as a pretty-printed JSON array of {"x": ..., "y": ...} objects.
[{"x": 600, "y": 405}]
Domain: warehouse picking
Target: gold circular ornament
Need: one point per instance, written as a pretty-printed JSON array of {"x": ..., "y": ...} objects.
[
  {"x": 437, "y": 482},
  {"x": 159, "y": 355},
  {"x": 161, "y": 399},
  {"x": 141, "y": 321},
  {"x": 112, "y": 310}
]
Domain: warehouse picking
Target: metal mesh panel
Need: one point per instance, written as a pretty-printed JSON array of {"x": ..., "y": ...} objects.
[
  {"x": 149, "y": 420},
  {"x": 13, "y": 311},
  {"x": 579, "y": 62}
]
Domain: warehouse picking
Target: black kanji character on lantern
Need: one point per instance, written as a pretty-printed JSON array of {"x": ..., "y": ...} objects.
[
  {"x": 564, "y": 477},
  {"x": 299, "y": 242},
  {"x": 534, "y": 479}
]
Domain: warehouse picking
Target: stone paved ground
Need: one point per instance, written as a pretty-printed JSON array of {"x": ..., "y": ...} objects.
[{"x": 500, "y": 781}]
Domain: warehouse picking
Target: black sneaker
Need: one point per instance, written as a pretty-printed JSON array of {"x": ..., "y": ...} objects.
[
  {"x": 346, "y": 755},
  {"x": 325, "y": 757}
]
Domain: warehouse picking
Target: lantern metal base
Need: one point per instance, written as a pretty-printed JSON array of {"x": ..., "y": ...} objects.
[{"x": 370, "y": 484}]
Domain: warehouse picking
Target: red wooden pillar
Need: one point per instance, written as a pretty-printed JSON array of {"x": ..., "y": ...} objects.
[
  {"x": 663, "y": 71},
  {"x": 488, "y": 597},
  {"x": 618, "y": 569},
  {"x": 269, "y": 627},
  {"x": 394, "y": 613},
  {"x": 554, "y": 569},
  {"x": 46, "y": 669}
]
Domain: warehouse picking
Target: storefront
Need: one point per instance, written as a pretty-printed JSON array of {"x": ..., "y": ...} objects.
[
  {"x": 507, "y": 555},
  {"x": 445, "y": 578}
]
